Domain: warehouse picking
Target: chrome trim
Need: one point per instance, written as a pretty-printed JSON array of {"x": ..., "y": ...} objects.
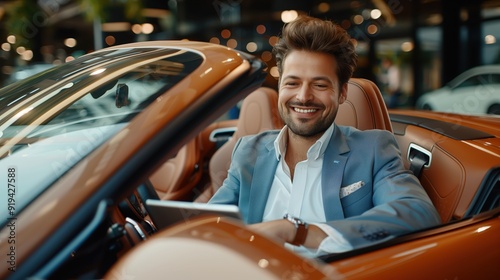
[
  {"x": 136, "y": 226},
  {"x": 151, "y": 224},
  {"x": 421, "y": 150},
  {"x": 215, "y": 132}
]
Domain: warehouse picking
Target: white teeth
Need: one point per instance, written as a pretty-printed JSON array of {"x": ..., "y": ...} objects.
[{"x": 305, "y": 111}]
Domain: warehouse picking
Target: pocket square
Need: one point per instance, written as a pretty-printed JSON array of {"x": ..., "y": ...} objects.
[{"x": 347, "y": 190}]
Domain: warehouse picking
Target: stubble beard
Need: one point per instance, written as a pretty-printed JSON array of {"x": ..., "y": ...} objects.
[{"x": 303, "y": 129}]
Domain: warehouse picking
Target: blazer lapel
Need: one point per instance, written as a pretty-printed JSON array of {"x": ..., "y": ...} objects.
[
  {"x": 265, "y": 168},
  {"x": 334, "y": 163}
]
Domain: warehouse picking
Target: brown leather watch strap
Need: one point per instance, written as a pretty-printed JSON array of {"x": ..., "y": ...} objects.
[
  {"x": 302, "y": 230},
  {"x": 301, "y": 235}
]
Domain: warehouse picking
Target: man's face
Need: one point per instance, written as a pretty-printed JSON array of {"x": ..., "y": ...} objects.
[{"x": 309, "y": 92}]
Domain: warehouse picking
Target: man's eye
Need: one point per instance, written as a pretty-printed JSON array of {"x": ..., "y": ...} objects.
[{"x": 320, "y": 86}]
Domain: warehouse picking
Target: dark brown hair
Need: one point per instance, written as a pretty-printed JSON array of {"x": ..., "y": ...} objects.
[{"x": 316, "y": 35}]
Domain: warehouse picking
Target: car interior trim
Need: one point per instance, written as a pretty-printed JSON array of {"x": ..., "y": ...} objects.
[
  {"x": 136, "y": 227},
  {"x": 221, "y": 133},
  {"x": 488, "y": 194},
  {"x": 451, "y": 130},
  {"x": 414, "y": 149},
  {"x": 419, "y": 158}
]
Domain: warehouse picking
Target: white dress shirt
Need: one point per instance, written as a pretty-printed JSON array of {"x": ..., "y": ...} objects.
[{"x": 302, "y": 196}]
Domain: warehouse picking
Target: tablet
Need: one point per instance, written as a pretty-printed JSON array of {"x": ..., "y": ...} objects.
[{"x": 165, "y": 213}]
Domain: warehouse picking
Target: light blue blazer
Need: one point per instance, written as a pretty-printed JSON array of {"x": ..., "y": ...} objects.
[{"x": 391, "y": 202}]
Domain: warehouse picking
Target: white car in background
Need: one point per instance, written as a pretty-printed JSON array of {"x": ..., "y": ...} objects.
[{"x": 475, "y": 91}]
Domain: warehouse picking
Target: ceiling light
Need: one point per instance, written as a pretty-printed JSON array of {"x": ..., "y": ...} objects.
[{"x": 289, "y": 15}]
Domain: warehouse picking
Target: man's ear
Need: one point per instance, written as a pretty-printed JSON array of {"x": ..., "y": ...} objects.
[{"x": 343, "y": 93}]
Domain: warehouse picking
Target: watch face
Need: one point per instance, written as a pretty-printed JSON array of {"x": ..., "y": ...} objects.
[{"x": 294, "y": 220}]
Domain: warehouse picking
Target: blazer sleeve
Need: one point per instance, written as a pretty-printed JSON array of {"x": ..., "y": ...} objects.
[
  {"x": 228, "y": 193},
  {"x": 400, "y": 204},
  {"x": 253, "y": 164}
]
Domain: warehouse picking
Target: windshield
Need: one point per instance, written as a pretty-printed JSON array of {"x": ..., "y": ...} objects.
[{"x": 51, "y": 121}]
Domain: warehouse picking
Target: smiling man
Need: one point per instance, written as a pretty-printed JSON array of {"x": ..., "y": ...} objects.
[{"x": 314, "y": 186}]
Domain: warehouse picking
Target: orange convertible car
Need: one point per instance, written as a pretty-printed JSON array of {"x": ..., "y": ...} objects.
[{"x": 86, "y": 144}]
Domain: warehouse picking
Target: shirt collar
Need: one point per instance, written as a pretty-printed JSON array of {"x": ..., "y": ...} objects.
[{"x": 314, "y": 152}]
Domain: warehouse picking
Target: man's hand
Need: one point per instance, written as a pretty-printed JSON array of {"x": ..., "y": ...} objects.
[{"x": 282, "y": 231}]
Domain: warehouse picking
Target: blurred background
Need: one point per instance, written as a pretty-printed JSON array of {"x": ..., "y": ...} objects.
[{"x": 408, "y": 46}]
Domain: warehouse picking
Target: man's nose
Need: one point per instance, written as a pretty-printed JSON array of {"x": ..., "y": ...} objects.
[{"x": 304, "y": 94}]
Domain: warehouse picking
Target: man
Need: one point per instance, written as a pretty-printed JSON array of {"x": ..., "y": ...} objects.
[
  {"x": 390, "y": 82},
  {"x": 316, "y": 186}
]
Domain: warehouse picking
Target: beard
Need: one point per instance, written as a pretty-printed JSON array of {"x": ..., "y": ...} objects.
[{"x": 306, "y": 128}]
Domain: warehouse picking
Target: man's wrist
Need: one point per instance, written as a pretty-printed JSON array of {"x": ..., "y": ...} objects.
[{"x": 301, "y": 230}]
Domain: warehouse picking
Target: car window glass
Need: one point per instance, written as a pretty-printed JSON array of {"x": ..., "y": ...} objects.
[
  {"x": 479, "y": 80},
  {"x": 472, "y": 81},
  {"x": 494, "y": 78},
  {"x": 49, "y": 123}
]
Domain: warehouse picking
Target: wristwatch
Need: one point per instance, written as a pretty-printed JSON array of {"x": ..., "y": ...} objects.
[{"x": 301, "y": 226}]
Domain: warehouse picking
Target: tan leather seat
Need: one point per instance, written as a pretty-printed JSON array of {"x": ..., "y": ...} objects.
[
  {"x": 176, "y": 178},
  {"x": 259, "y": 112},
  {"x": 363, "y": 109}
]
